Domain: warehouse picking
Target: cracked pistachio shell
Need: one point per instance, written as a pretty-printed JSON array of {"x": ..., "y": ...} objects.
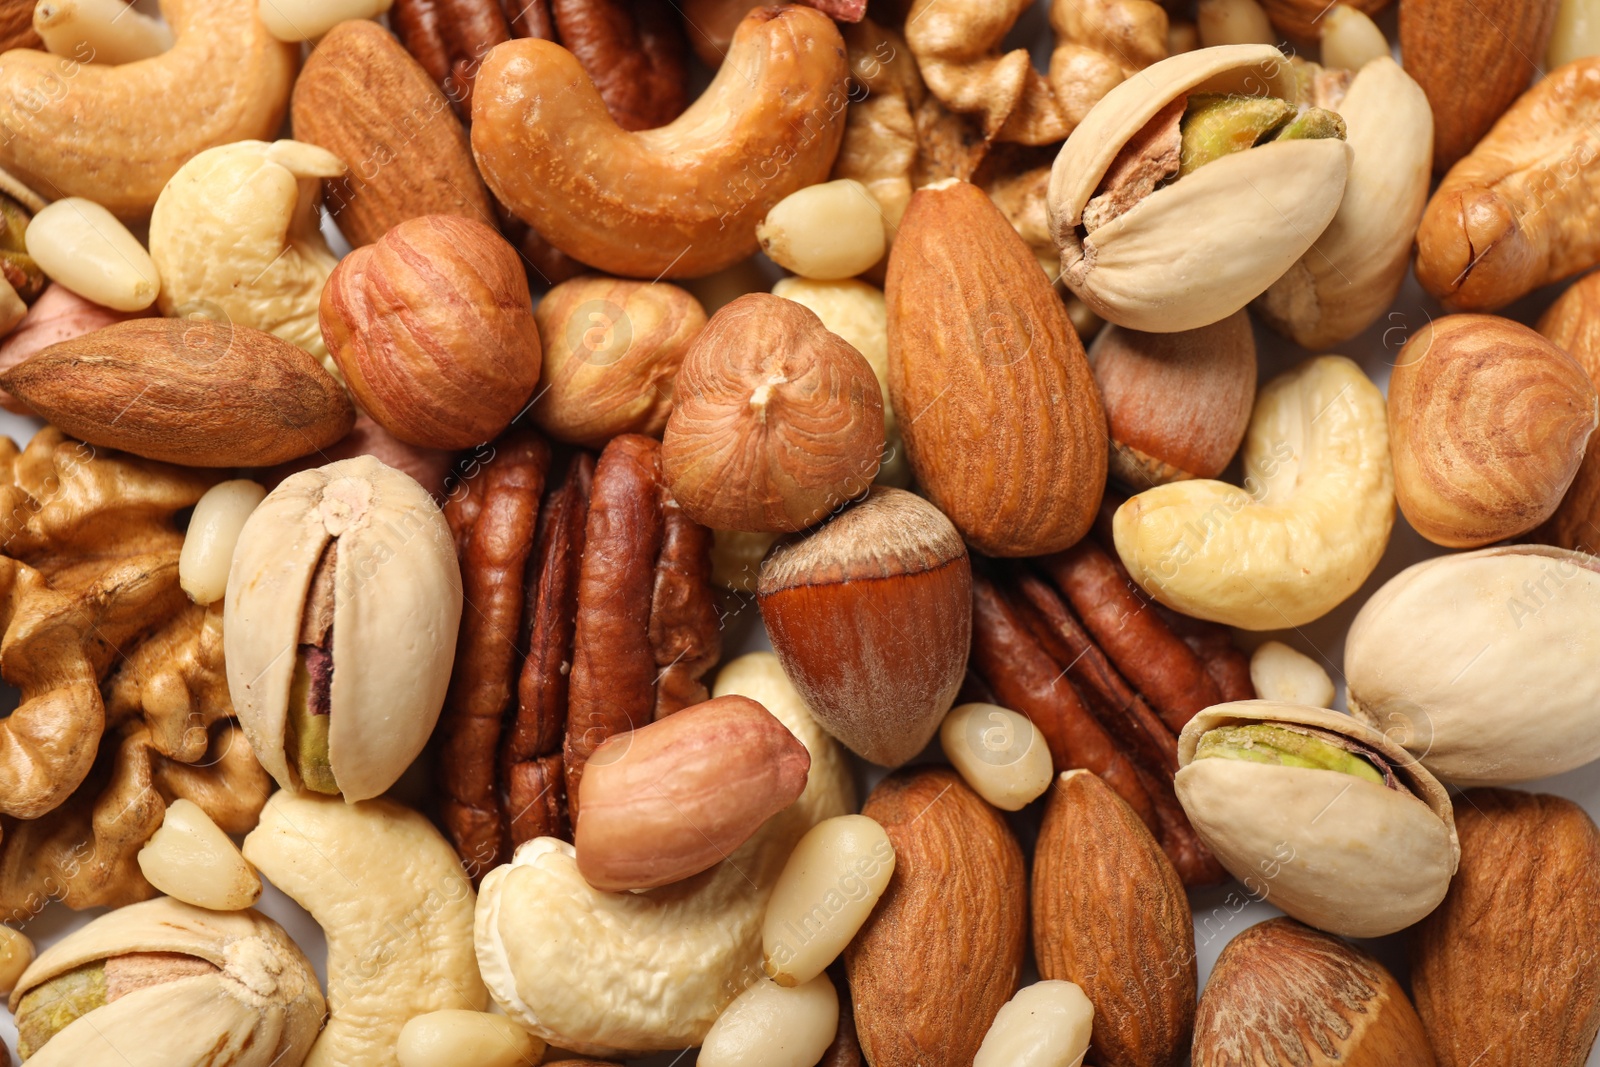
[
  {"x": 1338, "y": 852},
  {"x": 397, "y": 607},
  {"x": 1355, "y": 268},
  {"x": 262, "y": 1006},
  {"x": 1482, "y": 664},
  {"x": 1201, "y": 248}
]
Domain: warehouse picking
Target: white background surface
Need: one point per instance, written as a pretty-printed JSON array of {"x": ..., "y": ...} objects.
[{"x": 1218, "y": 915}]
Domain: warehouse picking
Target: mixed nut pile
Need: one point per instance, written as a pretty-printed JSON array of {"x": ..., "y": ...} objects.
[{"x": 408, "y": 579}]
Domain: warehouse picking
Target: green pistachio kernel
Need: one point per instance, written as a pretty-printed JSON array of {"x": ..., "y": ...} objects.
[
  {"x": 47, "y": 1009},
  {"x": 1313, "y": 124},
  {"x": 1217, "y": 124},
  {"x": 306, "y": 733},
  {"x": 1285, "y": 747}
]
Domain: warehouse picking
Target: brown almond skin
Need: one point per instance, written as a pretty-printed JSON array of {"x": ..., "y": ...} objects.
[
  {"x": 942, "y": 952},
  {"x": 776, "y": 420},
  {"x": 199, "y": 393},
  {"x": 674, "y": 798},
  {"x": 1003, "y": 424},
  {"x": 1573, "y": 325},
  {"x": 1505, "y": 972},
  {"x": 1178, "y": 403},
  {"x": 1488, "y": 424},
  {"x": 363, "y": 97},
  {"x": 1110, "y": 914},
  {"x": 1472, "y": 58},
  {"x": 871, "y": 616},
  {"x": 1285, "y": 995}
]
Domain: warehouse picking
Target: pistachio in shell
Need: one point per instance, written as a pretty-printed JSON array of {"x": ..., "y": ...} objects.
[
  {"x": 167, "y": 984},
  {"x": 1318, "y": 814},
  {"x": 1195, "y": 247},
  {"x": 343, "y": 603}
]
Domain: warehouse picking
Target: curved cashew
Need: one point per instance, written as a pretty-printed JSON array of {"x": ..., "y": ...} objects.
[
  {"x": 116, "y": 134},
  {"x": 1306, "y": 530},
  {"x": 234, "y": 236},
  {"x": 658, "y": 967},
  {"x": 395, "y": 905},
  {"x": 678, "y": 201}
]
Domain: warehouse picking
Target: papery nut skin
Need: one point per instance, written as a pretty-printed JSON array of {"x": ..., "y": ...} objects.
[
  {"x": 672, "y": 798},
  {"x": 433, "y": 328},
  {"x": 776, "y": 421}
]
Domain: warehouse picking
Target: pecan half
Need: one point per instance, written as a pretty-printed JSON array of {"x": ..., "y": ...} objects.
[
  {"x": 635, "y": 52},
  {"x": 451, "y": 37}
]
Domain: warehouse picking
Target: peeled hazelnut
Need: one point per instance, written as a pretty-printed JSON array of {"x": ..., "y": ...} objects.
[
  {"x": 611, "y": 354},
  {"x": 777, "y": 421},
  {"x": 1178, "y": 403},
  {"x": 871, "y": 616},
  {"x": 1285, "y": 995},
  {"x": 674, "y": 798},
  {"x": 433, "y": 328},
  {"x": 1488, "y": 424}
]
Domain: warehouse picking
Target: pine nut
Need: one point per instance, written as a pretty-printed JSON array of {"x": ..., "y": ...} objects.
[
  {"x": 826, "y": 231},
  {"x": 834, "y": 877},
  {"x": 1234, "y": 22},
  {"x": 455, "y": 1037},
  {"x": 82, "y": 245},
  {"x": 190, "y": 859},
  {"x": 306, "y": 20},
  {"x": 998, "y": 752},
  {"x": 1350, "y": 39},
  {"x": 213, "y": 531},
  {"x": 1280, "y": 673},
  {"x": 770, "y": 1026},
  {"x": 1045, "y": 1025}
]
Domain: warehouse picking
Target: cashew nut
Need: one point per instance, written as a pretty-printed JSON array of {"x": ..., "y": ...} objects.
[
  {"x": 658, "y": 967},
  {"x": 1306, "y": 530},
  {"x": 235, "y": 238},
  {"x": 396, "y": 908},
  {"x": 116, "y": 134},
  {"x": 681, "y": 200}
]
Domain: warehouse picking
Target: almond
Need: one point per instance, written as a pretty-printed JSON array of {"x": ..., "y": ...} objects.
[
  {"x": 363, "y": 98},
  {"x": 1109, "y": 914},
  {"x": 190, "y": 391},
  {"x": 1505, "y": 971},
  {"x": 942, "y": 952},
  {"x": 1002, "y": 421},
  {"x": 1472, "y": 59}
]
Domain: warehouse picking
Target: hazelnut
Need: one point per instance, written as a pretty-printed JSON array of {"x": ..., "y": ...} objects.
[
  {"x": 433, "y": 328},
  {"x": 777, "y": 421},
  {"x": 1178, "y": 403},
  {"x": 1488, "y": 424},
  {"x": 611, "y": 354},
  {"x": 871, "y": 617}
]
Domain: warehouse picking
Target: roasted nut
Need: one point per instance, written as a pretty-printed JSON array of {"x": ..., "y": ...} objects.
[
  {"x": 828, "y": 888},
  {"x": 82, "y": 245},
  {"x": 115, "y": 134},
  {"x": 204, "y": 394},
  {"x": 775, "y": 420},
  {"x": 1351, "y": 40},
  {"x": 1283, "y": 994},
  {"x": 364, "y": 99},
  {"x": 883, "y": 584},
  {"x": 191, "y": 860},
  {"x": 235, "y": 238},
  {"x": 1353, "y": 271},
  {"x": 998, "y": 752},
  {"x": 306, "y": 20},
  {"x": 1472, "y": 58},
  {"x": 948, "y": 930},
  {"x": 612, "y": 349},
  {"x": 16, "y": 953},
  {"x": 213, "y": 532},
  {"x": 164, "y": 982},
  {"x": 433, "y": 328},
  {"x": 394, "y": 905},
  {"x": 1195, "y": 251},
  {"x": 1573, "y": 325},
  {"x": 1178, "y": 403},
  {"x": 1045, "y": 1025},
  {"x": 1307, "y": 529},
  {"x": 1223, "y": 22},
  {"x": 770, "y": 1026},
  {"x": 58, "y": 315},
  {"x": 454, "y": 1037},
  {"x": 100, "y": 31},
  {"x": 880, "y": 137},
  {"x": 1109, "y": 914},
  {"x": 696, "y": 948},
  {"x": 670, "y": 203},
  {"x": 1498, "y": 975},
  {"x": 341, "y": 565},
  {"x": 1282, "y": 675},
  {"x": 827, "y": 231},
  {"x": 1488, "y": 425},
  {"x": 1319, "y": 814},
  {"x": 1495, "y": 687},
  {"x": 1510, "y": 216},
  {"x": 670, "y": 799},
  {"x": 975, "y": 328}
]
